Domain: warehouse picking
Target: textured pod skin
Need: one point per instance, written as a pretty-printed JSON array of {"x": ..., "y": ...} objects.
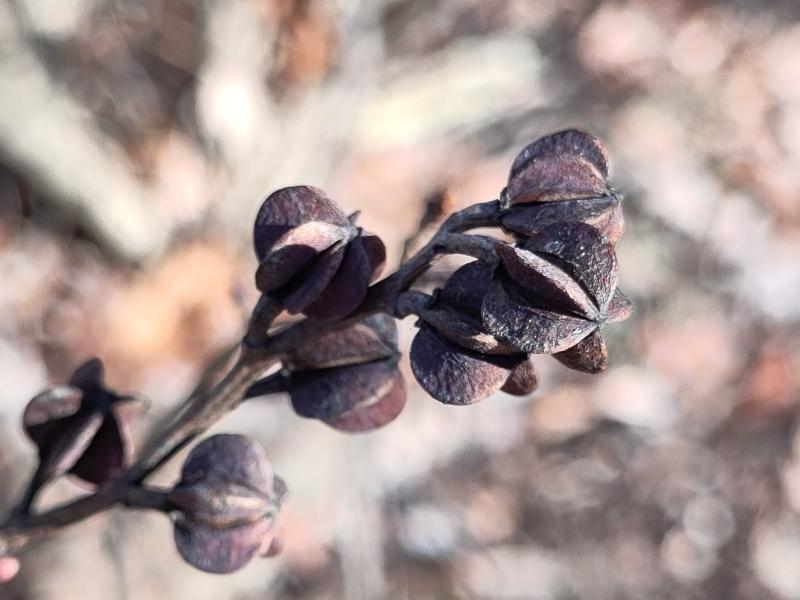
[
  {"x": 285, "y": 209},
  {"x": 532, "y": 330},
  {"x": 585, "y": 254},
  {"x": 456, "y": 313},
  {"x": 454, "y": 375},
  {"x": 620, "y": 307},
  {"x": 348, "y": 287},
  {"x": 81, "y": 428},
  {"x": 554, "y": 178},
  {"x": 548, "y": 286},
  {"x": 383, "y": 409},
  {"x": 228, "y": 500}
]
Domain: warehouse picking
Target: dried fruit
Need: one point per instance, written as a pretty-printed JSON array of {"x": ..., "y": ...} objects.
[
  {"x": 81, "y": 428},
  {"x": 453, "y": 357},
  {"x": 349, "y": 379},
  {"x": 228, "y": 501},
  {"x": 352, "y": 398},
  {"x": 553, "y": 294},
  {"x": 311, "y": 256},
  {"x": 558, "y": 178}
]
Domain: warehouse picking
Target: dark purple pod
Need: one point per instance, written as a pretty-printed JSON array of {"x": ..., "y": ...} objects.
[
  {"x": 573, "y": 142},
  {"x": 295, "y": 250},
  {"x": 547, "y": 285},
  {"x": 289, "y": 207},
  {"x": 373, "y": 338},
  {"x": 555, "y": 178},
  {"x": 329, "y": 393},
  {"x": 347, "y": 289},
  {"x": 377, "y": 412},
  {"x": 523, "y": 379},
  {"x": 454, "y": 375},
  {"x": 590, "y": 355},
  {"x": 81, "y": 428},
  {"x": 584, "y": 253},
  {"x": 228, "y": 501},
  {"x": 313, "y": 283},
  {"x": 604, "y": 214},
  {"x": 531, "y": 330}
]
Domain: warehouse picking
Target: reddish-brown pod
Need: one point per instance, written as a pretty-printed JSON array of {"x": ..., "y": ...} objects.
[{"x": 227, "y": 504}]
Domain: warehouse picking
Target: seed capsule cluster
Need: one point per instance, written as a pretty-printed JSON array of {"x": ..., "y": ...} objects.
[{"x": 549, "y": 291}]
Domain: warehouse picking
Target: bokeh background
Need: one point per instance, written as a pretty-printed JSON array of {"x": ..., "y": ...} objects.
[{"x": 136, "y": 141}]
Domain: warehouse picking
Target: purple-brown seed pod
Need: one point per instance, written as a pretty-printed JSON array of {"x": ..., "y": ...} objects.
[
  {"x": 454, "y": 358},
  {"x": 228, "y": 501},
  {"x": 81, "y": 428},
  {"x": 562, "y": 177},
  {"x": 455, "y": 375},
  {"x": 351, "y": 398},
  {"x": 554, "y": 294},
  {"x": 312, "y": 258}
]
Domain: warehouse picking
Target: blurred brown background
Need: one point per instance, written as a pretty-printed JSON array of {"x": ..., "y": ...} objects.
[{"x": 137, "y": 139}]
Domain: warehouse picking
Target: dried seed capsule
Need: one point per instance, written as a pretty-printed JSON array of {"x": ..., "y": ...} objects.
[
  {"x": 585, "y": 254},
  {"x": 454, "y": 357},
  {"x": 513, "y": 320},
  {"x": 454, "y": 375},
  {"x": 312, "y": 258},
  {"x": 555, "y": 294},
  {"x": 228, "y": 501},
  {"x": 81, "y": 428},
  {"x": 352, "y": 398},
  {"x": 562, "y": 177},
  {"x": 288, "y": 208}
]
